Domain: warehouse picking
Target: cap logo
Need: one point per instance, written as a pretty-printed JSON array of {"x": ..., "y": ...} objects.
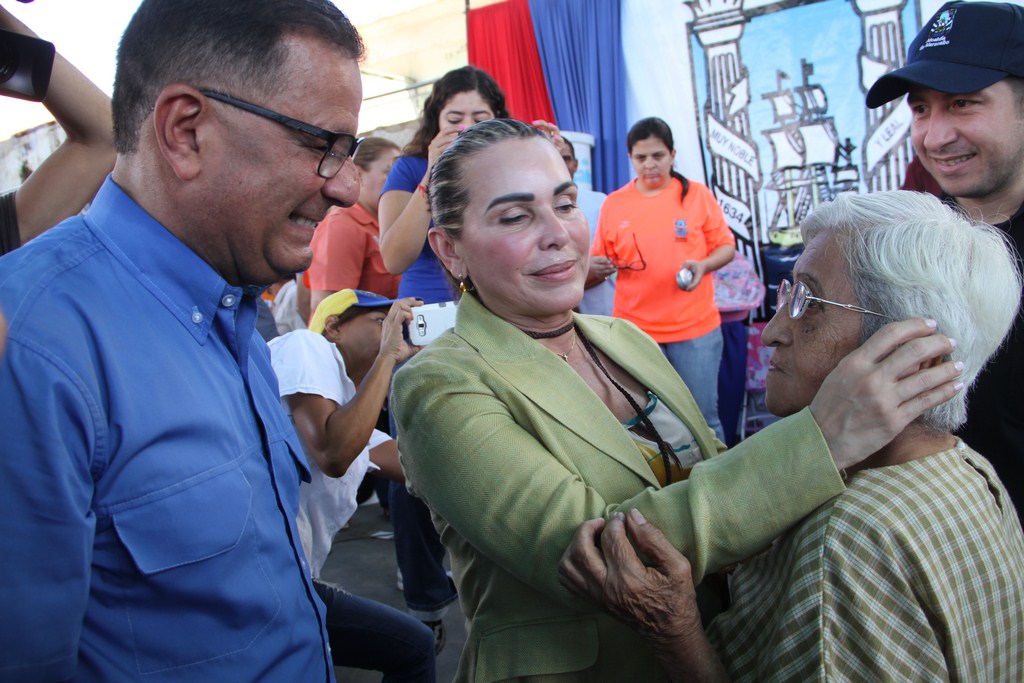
[{"x": 939, "y": 32}]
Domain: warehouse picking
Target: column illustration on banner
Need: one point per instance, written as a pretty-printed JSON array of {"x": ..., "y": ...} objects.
[
  {"x": 736, "y": 174},
  {"x": 887, "y": 148}
]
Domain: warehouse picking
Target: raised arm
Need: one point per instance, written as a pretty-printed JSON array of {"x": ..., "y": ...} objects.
[
  {"x": 883, "y": 386},
  {"x": 404, "y": 210},
  {"x": 404, "y": 221},
  {"x": 471, "y": 450},
  {"x": 474, "y": 456},
  {"x": 333, "y": 434},
  {"x": 69, "y": 178}
]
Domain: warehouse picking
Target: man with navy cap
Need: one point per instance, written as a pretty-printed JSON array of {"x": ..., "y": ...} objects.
[{"x": 964, "y": 81}]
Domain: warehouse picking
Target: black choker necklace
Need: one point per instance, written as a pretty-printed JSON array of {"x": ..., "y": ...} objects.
[{"x": 550, "y": 335}]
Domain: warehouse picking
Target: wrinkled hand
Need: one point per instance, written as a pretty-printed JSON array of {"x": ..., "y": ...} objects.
[
  {"x": 883, "y": 386},
  {"x": 601, "y": 267},
  {"x": 658, "y": 601},
  {"x": 392, "y": 338}
]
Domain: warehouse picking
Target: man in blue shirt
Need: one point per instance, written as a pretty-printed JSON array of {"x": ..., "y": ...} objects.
[{"x": 148, "y": 475}]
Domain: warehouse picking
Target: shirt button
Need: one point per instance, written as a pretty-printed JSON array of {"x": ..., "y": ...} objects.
[
  {"x": 228, "y": 301},
  {"x": 197, "y": 317}
]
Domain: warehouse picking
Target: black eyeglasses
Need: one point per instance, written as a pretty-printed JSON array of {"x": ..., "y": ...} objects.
[
  {"x": 340, "y": 146},
  {"x": 623, "y": 264},
  {"x": 794, "y": 298}
]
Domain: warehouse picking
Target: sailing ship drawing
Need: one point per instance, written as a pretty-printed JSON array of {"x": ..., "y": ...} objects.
[{"x": 811, "y": 164}]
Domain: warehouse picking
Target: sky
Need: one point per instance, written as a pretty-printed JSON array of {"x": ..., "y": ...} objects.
[{"x": 86, "y": 32}]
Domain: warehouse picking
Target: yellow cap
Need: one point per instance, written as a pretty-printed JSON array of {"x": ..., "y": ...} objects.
[{"x": 339, "y": 302}]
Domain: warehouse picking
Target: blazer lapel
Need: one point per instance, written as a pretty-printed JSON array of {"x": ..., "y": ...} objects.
[
  {"x": 618, "y": 340},
  {"x": 549, "y": 382}
]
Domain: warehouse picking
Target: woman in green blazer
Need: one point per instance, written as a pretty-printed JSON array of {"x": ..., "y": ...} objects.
[{"x": 527, "y": 419}]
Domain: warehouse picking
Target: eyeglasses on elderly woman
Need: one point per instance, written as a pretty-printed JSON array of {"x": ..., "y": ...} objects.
[{"x": 795, "y": 298}]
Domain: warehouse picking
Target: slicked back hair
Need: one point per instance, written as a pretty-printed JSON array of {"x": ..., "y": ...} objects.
[{"x": 449, "y": 186}]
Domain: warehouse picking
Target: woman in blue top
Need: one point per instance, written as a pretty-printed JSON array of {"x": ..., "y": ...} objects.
[{"x": 459, "y": 99}]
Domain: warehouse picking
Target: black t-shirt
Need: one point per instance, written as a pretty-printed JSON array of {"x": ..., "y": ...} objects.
[{"x": 995, "y": 404}]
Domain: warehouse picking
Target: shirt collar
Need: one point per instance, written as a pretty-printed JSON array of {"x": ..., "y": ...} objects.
[
  {"x": 359, "y": 214},
  {"x": 185, "y": 284}
]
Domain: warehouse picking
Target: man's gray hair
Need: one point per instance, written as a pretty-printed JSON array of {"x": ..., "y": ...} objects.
[{"x": 909, "y": 255}]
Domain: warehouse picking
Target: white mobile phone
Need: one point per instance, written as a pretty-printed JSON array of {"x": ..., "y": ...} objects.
[{"x": 429, "y": 321}]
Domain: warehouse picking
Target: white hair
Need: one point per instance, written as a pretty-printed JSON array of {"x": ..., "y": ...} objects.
[{"x": 909, "y": 255}]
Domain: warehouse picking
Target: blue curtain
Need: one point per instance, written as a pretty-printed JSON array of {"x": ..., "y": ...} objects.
[{"x": 579, "y": 44}]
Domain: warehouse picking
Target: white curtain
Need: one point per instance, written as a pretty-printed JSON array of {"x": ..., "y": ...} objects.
[{"x": 659, "y": 75}]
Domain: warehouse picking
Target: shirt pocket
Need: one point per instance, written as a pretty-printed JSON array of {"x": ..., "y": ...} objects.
[{"x": 201, "y": 590}]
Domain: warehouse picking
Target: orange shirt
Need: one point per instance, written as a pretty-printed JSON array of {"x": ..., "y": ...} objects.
[
  {"x": 667, "y": 233},
  {"x": 346, "y": 254}
]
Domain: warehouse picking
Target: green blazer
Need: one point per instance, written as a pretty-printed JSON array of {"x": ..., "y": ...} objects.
[{"x": 512, "y": 451}]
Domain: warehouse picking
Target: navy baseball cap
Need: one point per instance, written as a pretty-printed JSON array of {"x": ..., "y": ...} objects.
[{"x": 965, "y": 47}]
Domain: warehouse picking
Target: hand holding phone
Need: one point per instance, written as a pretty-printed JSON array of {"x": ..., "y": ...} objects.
[{"x": 429, "y": 321}]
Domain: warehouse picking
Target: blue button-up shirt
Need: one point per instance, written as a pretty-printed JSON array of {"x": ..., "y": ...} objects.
[{"x": 148, "y": 475}]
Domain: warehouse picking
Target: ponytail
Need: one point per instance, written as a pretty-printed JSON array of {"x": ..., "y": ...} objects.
[{"x": 685, "y": 183}]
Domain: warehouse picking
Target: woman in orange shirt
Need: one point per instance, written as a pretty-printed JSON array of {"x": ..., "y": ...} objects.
[{"x": 665, "y": 234}]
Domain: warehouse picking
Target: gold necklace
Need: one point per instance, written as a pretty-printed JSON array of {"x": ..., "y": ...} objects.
[{"x": 565, "y": 356}]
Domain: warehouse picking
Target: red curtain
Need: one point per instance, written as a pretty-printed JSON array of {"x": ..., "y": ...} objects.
[{"x": 502, "y": 43}]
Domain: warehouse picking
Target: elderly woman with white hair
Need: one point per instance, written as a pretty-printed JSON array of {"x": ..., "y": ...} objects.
[{"x": 916, "y": 570}]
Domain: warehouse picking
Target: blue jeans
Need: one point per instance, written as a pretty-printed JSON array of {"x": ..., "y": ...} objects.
[
  {"x": 365, "y": 634},
  {"x": 697, "y": 361},
  {"x": 428, "y": 590}
]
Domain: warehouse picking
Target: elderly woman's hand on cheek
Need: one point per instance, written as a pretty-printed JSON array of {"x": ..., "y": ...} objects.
[
  {"x": 658, "y": 601},
  {"x": 883, "y": 386}
]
